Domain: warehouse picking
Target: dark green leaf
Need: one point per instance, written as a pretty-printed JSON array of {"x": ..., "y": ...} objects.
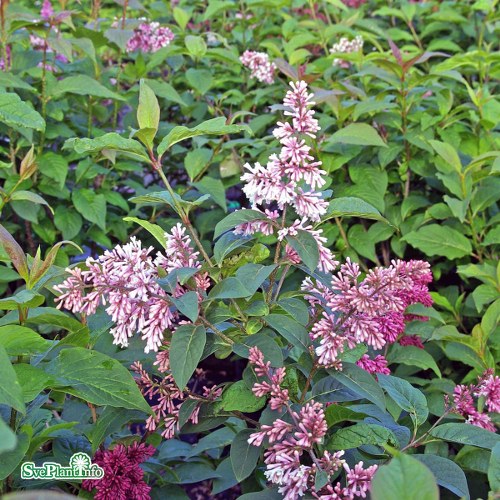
[{"x": 244, "y": 456}]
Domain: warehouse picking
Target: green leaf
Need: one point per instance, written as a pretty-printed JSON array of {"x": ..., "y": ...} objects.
[
  {"x": 447, "y": 473},
  {"x": 111, "y": 142},
  {"x": 11, "y": 459},
  {"x": 307, "y": 248},
  {"x": 296, "y": 309},
  {"x": 17, "y": 113},
  {"x": 196, "y": 46},
  {"x": 19, "y": 341},
  {"x": 32, "y": 379},
  {"x": 9, "y": 80},
  {"x": 153, "y": 229},
  {"x": 84, "y": 85},
  {"x": 97, "y": 379},
  {"x": 290, "y": 329},
  {"x": 448, "y": 153},
  {"x": 68, "y": 222},
  {"x": 439, "y": 240},
  {"x": 187, "y": 304},
  {"x": 359, "y": 435},
  {"x": 199, "y": 79},
  {"x": 466, "y": 434},
  {"x": 494, "y": 468},
  {"x": 215, "y": 126},
  {"x": 244, "y": 456},
  {"x": 54, "y": 166},
  {"x": 109, "y": 421},
  {"x": 196, "y": 161},
  {"x": 188, "y": 342},
  {"x": 25, "y": 298},
  {"x": 11, "y": 393},
  {"x": 404, "y": 478},
  {"x": 213, "y": 187},
  {"x": 413, "y": 356},
  {"x": 165, "y": 91},
  {"x": 15, "y": 253},
  {"x": 234, "y": 219},
  {"x": 148, "y": 114},
  {"x": 406, "y": 397},
  {"x": 92, "y": 206},
  {"x": 361, "y": 382},
  {"x": 353, "y": 207},
  {"x": 238, "y": 397},
  {"x": 335, "y": 414},
  {"x": 8, "y": 439},
  {"x": 360, "y": 134}
]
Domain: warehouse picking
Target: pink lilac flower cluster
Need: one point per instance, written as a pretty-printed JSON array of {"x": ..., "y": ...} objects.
[
  {"x": 125, "y": 280},
  {"x": 123, "y": 477},
  {"x": 260, "y": 66},
  {"x": 375, "y": 365},
  {"x": 150, "y": 37},
  {"x": 168, "y": 396},
  {"x": 290, "y": 443},
  {"x": 47, "y": 11},
  {"x": 369, "y": 310},
  {"x": 346, "y": 46},
  {"x": 464, "y": 404},
  {"x": 290, "y": 179}
]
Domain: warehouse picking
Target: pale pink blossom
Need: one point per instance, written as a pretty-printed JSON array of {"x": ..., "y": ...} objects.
[
  {"x": 260, "y": 66},
  {"x": 150, "y": 37}
]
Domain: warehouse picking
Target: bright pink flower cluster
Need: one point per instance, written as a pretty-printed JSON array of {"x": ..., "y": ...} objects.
[
  {"x": 123, "y": 477},
  {"x": 464, "y": 404},
  {"x": 150, "y": 37},
  {"x": 354, "y": 3},
  {"x": 260, "y": 66},
  {"x": 371, "y": 310},
  {"x": 125, "y": 279},
  {"x": 290, "y": 178},
  {"x": 47, "y": 10},
  {"x": 375, "y": 365},
  {"x": 291, "y": 442},
  {"x": 168, "y": 396}
]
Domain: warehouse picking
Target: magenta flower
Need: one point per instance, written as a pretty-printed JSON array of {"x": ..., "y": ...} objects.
[
  {"x": 47, "y": 10},
  {"x": 123, "y": 477},
  {"x": 376, "y": 365}
]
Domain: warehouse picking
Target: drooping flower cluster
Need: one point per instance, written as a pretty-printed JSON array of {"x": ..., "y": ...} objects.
[
  {"x": 150, "y": 37},
  {"x": 354, "y": 3},
  {"x": 464, "y": 403},
  {"x": 125, "y": 280},
  {"x": 294, "y": 441},
  {"x": 371, "y": 310},
  {"x": 290, "y": 179},
  {"x": 260, "y": 66},
  {"x": 123, "y": 477},
  {"x": 346, "y": 46},
  {"x": 167, "y": 396}
]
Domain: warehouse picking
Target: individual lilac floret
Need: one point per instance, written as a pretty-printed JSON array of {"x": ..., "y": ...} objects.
[
  {"x": 260, "y": 66},
  {"x": 125, "y": 280},
  {"x": 150, "y": 37}
]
